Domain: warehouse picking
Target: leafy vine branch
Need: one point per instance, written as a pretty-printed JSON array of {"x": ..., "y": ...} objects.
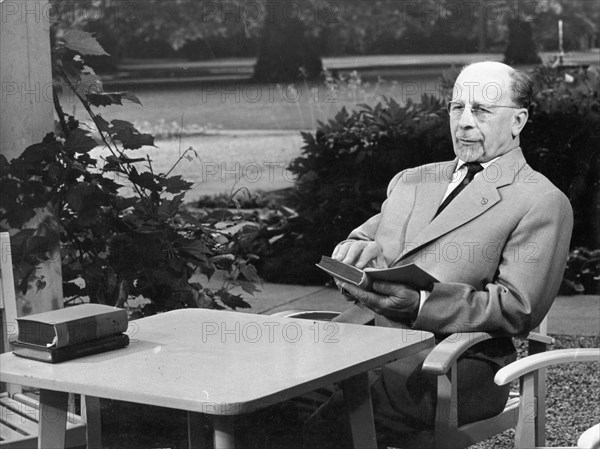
[{"x": 114, "y": 246}]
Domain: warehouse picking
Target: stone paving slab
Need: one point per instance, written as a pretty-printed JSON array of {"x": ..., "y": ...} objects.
[{"x": 571, "y": 315}]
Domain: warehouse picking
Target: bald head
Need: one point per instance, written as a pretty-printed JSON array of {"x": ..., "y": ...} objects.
[
  {"x": 488, "y": 111},
  {"x": 518, "y": 85}
]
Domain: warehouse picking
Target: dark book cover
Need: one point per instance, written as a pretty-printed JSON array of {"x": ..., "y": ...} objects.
[
  {"x": 72, "y": 325},
  {"x": 409, "y": 274},
  {"x": 57, "y": 355}
]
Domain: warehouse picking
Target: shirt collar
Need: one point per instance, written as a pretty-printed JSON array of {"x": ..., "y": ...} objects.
[{"x": 461, "y": 163}]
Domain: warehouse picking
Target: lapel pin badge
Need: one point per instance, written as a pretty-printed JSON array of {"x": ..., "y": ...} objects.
[{"x": 484, "y": 200}]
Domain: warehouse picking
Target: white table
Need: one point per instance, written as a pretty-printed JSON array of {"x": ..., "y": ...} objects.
[{"x": 221, "y": 364}]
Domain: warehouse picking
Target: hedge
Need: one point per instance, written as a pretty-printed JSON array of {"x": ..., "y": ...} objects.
[{"x": 345, "y": 166}]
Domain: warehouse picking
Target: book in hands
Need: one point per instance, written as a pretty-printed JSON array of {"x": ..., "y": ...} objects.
[
  {"x": 409, "y": 274},
  {"x": 57, "y": 355},
  {"x": 72, "y": 325}
]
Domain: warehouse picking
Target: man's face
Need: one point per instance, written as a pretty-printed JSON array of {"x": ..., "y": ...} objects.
[{"x": 480, "y": 129}]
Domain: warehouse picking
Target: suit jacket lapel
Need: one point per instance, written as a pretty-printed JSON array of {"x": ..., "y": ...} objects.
[
  {"x": 473, "y": 201},
  {"x": 429, "y": 194}
]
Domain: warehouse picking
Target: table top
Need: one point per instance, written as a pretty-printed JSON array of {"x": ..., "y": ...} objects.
[{"x": 220, "y": 362}]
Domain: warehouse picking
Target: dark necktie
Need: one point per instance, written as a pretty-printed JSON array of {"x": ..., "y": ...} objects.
[{"x": 472, "y": 169}]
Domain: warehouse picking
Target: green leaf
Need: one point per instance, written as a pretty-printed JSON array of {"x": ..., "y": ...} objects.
[
  {"x": 169, "y": 208},
  {"x": 108, "y": 98},
  {"x": 176, "y": 184},
  {"x": 121, "y": 203},
  {"x": 195, "y": 248},
  {"x": 89, "y": 83},
  {"x": 249, "y": 272},
  {"x": 130, "y": 137},
  {"x": 248, "y": 287},
  {"x": 232, "y": 301},
  {"x": 145, "y": 180},
  {"x": 79, "y": 141},
  {"x": 83, "y": 43},
  {"x": 109, "y": 185}
]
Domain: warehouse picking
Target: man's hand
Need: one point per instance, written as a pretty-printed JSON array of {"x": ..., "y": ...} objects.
[
  {"x": 390, "y": 300},
  {"x": 360, "y": 253}
]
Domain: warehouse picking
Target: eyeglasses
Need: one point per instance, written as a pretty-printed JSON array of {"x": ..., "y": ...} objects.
[{"x": 481, "y": 112}]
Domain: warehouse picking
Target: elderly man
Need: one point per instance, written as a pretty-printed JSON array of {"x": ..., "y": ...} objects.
[{"x": 493, "y": 231}]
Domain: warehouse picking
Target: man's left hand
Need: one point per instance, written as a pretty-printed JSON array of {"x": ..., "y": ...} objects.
[{"x": 389, "y": 299}]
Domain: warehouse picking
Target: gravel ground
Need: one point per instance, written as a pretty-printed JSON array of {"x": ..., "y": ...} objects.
[{"x": 572, "y": 405}]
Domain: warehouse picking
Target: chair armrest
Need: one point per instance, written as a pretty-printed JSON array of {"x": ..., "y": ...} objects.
[
  {"x": 540, "y": 338},
  {"x": 356, "y": 314},
  {"x": 590, "y": 439},
  {"x": 446, "y": 353},
  {"x": 542, "y": 360}
]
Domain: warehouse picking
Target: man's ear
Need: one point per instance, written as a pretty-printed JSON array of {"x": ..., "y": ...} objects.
[{"x": 519, "y": 121}]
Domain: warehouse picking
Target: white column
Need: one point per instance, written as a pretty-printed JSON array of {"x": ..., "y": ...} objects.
[
  {"x": 26, "y": 109},
  {"x": 27, "y": 115}
]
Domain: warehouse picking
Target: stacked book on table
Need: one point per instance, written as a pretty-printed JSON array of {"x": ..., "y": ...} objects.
[{"x": 72, "y": 332}]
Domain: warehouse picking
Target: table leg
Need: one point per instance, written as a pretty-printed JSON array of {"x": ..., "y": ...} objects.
[
  {"x": 224, "y": 435},
  {"x": 196, "y": 432},
  {"x": 53, "y": 419},
  {"x": 357, "y": 396}
]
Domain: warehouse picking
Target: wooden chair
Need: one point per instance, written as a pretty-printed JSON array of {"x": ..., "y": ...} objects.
[
  {"x": 525, "y": 370},
  {"x": 441, "y": 361},
  {"x": 19, "y": 413}
]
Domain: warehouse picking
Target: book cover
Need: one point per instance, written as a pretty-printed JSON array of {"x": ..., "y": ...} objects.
[
  {"x": 72, "y": 325},
  {"x": 57, "y": 355},
  {"x": 409, "y": 274}
]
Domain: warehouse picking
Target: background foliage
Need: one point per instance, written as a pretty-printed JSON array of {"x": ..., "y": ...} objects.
[
  {"x": 345, "y": 167},
  {"x": 116, "y": 242},
  {"x": 216, "y": 29}
]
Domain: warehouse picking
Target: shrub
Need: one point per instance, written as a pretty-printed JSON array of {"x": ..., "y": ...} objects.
[
  {"x": 344, "y": 170},
  {"x": 582, "y": 274},
  {"x": 346, "y": 165}
]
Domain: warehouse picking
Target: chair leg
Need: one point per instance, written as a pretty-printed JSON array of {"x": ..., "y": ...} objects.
[
  {"x": 90, "y": 411},
  {"x": 446, "y": 414},
  {"x": 357, "y": 397},
  {"x": 53, "y": 418},
  {"x": 224, "y": 435},
  {"x": 540, "y": 415},
  {"x": 525, "y": 431}
]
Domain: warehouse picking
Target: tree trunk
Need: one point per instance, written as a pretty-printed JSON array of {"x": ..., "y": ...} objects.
[
  {"x": 482, "y": 28},
  {"x": 521, "y": 48},
  {"x": 285, "y": 53}
]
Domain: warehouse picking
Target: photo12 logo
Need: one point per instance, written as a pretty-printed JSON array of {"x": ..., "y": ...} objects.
[
  {"x": 270, "y": 331},
  {"x": 251, "y": 172}
]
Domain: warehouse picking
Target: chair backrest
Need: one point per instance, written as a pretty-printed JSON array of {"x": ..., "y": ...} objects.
[
  {"x": 8, "y": 304},
  {"x": 8, "y": 299}
]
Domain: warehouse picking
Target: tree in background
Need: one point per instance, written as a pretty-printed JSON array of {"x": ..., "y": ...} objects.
[
  {"x": 286, "y": 52},
  {"x": 520, "y": 48},
  {"x": 279, "y": 31}
]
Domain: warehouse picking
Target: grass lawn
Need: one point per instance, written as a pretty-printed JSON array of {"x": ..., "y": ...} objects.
[
  {"x": 257, "y": 125},
  {"x": 247, "y": 105},
  {"x": 572, "y": 405}
]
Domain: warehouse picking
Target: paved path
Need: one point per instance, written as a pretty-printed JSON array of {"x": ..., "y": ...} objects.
[{"x": 571, "y": 315}]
